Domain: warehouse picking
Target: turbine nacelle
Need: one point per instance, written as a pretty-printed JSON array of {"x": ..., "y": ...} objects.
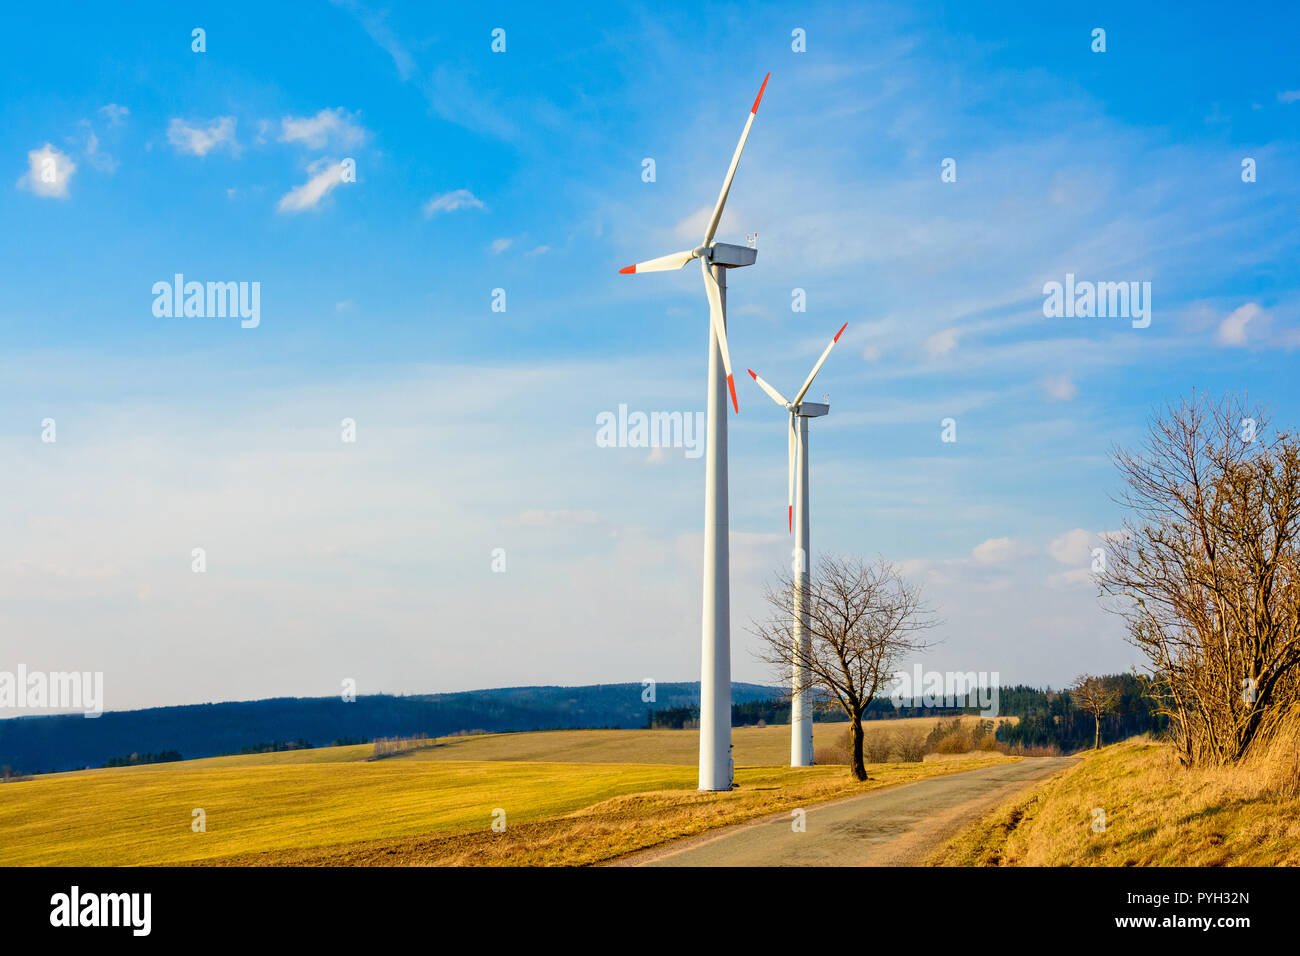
[
  {"x": 810, "y": 410},
  {"x": 728, "y": 256}
]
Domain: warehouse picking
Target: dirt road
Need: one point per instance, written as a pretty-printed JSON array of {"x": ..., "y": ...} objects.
[{"x": 895, "y": 827}]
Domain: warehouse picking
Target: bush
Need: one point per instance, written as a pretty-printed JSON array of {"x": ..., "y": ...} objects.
[
  {"x": 877, "y": 746},
  {"x": 949, "y": 737},
  {"x": 909, "y": 745}
]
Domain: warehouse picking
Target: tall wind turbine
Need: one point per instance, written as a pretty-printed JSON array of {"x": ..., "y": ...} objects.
[
  {"x": 801, "y": 725},
  {"x": 715, "y": 651}
]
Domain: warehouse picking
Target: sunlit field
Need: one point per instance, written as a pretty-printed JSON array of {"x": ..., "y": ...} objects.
[{"x": 567, "y": 797}]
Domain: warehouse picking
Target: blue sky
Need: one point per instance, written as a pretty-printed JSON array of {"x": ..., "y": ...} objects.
[{"x": 476, "y": 429}]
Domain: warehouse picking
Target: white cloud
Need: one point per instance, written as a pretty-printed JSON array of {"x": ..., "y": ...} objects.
[
  {"x": 48, "y": 172},
  {"x": 1232, "y": 330},
  {"x": 538, "y": 251},
  {"x": 199, "y": 139},
  {"x": 324, "y": 175},
  {"x": 941, "y": 343},
  {"x": 1289, "y": 96},
  {"x": 114, "y": 114},
  {"x": 334, "y": 127},
  {"x": 501, "y": 245},
  {"x": 1060, "y": 388},
  {"x": 997, "y": 551},
  {"x": 101, "y": 161},
  {"x": 1072, "y": 547},
  {"x": 450, "y": 202}
]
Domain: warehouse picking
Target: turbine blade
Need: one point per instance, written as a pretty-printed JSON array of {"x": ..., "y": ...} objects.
[
  {"x": 775, "y": 395},
  {"x": 719, "y": 328},
  {"x": 662, "y": 264},
  {"x": 790, "y": 486},
  {"x": 731, "y": 170},
  {"x": 818, "y": 367}
]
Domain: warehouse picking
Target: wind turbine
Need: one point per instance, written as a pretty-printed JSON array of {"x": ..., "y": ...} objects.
[
  {"x": 801, "y": 729},
  {"x": 715, "y": 645}
]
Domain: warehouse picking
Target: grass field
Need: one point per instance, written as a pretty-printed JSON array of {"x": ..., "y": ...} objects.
[
  {"x": 1156, "y": 814},
  {"x": 334, "y": 806},
  {"x": 752, "y": 746}
]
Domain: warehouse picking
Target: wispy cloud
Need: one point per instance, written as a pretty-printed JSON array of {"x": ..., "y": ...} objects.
[
  {"x": 1232, "y": 330},
  {"x": 459, "y": 97},
  {"x": 376, "y": 26},
  {"x": 1060, "y": 388},
  {"x": 941, "y": 343},
  {"x": 98, "y": 159},
  {"x": 450, "y": 202},
  {"x": 114, "y": 114},
  {"x": 334, "y": 128},
  {"x": 324, "y": 175},
  {"x": 998, "y": 551},
  {"x": 202, "y": 137}
]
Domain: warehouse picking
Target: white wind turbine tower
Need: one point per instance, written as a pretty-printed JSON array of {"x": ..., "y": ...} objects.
[
  {"x": 801, "y": 725},
  {"x": 715, "y": 651}
]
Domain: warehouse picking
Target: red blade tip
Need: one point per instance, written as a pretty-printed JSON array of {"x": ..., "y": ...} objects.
[
  {"x": 731, "y": 384},
  {"x": 627, "y": 270},
  {"x": 840, "y": 332},
  {"x": 759, "y": 98},
  {"x": 751, "y": 374},
  {"x": 792, "y": 519}
]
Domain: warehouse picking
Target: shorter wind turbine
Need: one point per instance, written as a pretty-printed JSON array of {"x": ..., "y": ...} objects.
[{"x": 801, "y": 729}]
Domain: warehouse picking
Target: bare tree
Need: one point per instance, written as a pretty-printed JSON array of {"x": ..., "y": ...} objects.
[
  {"x": 1098, "y": 696},
  {"x": 1205, "y": 572},
  {"x": 863, "y": 620}
]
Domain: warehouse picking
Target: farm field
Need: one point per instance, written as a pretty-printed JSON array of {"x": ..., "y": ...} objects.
[
  {"x": 753, "y": 746},
  {"x": 334, "y": 806}
]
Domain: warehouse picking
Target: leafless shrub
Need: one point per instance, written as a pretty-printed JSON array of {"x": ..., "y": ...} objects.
[
  {"x": 877, "y": 746},
  {"x": 909, "y": 744},
  {"x": 1207, "y": 573}
]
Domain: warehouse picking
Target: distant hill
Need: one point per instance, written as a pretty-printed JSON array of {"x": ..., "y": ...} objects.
[{"x": 41, "y": 744}]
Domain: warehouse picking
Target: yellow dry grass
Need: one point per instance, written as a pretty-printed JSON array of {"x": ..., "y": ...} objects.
[
  {"x": 333, "y": 806},
  {"x": 752, "y": 746},
  {"x": 616, "y": 827},
  {"x": 1156, "y": 814}
]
